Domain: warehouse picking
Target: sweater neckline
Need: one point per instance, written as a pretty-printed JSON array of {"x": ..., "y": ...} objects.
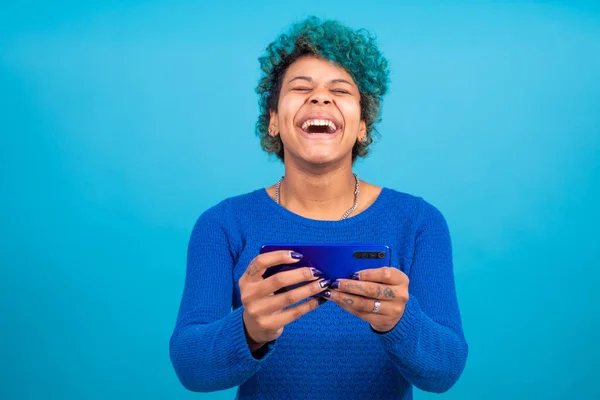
[{"x": 298, "y": 219}]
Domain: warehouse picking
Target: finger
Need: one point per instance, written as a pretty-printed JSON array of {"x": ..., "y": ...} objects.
[
  {"x": 260, "y": 263},
  {"x": 267, "y": 287},
  {"x": 389, "y": 275},
  {"x": 366, "y": 289},
  {"x": 277, "y": 302},
  {"x": 360, "y": 306},
  {"x": 293, "y": 313},
  {"x": 288, "y": 278}
]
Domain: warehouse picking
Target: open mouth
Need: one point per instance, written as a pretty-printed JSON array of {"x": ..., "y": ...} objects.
[{"x": 312, "y": 126}]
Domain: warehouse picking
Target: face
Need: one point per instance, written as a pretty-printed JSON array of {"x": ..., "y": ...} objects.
[{"x": 318, "y": 114}]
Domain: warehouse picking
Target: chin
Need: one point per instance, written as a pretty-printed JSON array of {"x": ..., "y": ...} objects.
[
  {"x": 318, "y": 153},
  {"x": 321, "y": 157}
]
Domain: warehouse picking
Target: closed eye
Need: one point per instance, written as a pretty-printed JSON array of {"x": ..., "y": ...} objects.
[
  {"x": 301, "y": 89},
  {"x": 342, "y": 91}
]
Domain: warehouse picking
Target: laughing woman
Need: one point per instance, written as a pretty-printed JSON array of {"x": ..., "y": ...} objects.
[{"x": 381, "y": 332}]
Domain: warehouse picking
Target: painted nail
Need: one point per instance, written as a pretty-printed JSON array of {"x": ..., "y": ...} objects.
[
  {"x": 335, "y": 285},
  {"x": 295, "y": 255},
  {"x": 316, "y": 272},
  {"x": 356, "y": 277},
  {"x": 326, "y": 294},
  {"x": 324, "y": 282},
  {"x": 321, "y": 301}
]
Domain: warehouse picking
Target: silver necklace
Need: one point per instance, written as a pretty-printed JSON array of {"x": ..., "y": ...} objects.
[{"x": 346, "y": 214}]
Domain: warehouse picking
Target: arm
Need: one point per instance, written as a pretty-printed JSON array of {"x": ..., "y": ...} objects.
[
  {"x": 208, "y": 349},
  {"x": 428, "y": 345}
]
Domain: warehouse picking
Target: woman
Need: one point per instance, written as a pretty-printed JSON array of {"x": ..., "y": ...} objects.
[{"x": 380, "y": 332}]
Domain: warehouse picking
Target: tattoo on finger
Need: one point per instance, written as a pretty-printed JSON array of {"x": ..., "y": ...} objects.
[
  {"x": 358, "y": 286},
  {"x": 252, "y": 269},
  {"x": 348, "y": 301},
  {"x": 389, "y": 293}
]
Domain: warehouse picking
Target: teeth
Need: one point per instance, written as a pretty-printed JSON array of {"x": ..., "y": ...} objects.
[{"x": 319, "y": 122}]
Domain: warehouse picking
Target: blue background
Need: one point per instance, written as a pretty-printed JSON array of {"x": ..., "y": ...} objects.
[{"x": 121, "y": 122}]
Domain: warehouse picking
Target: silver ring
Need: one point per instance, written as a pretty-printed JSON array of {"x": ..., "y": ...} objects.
[{"x": 376, "y": 307}]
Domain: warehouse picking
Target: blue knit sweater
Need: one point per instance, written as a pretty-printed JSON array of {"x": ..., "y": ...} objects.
[{"x": 328, "y": 353}]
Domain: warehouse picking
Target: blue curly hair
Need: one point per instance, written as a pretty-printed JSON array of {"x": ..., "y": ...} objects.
[{"x": 354, "y": 50}]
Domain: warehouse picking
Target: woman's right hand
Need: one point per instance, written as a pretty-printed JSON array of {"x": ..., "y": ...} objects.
[{"x": 264, "y": 315}]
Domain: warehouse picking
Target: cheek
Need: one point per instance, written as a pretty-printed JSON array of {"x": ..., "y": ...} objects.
[
  {"x": 288, "y": 108},
  {"x": 351, "y": 113}
]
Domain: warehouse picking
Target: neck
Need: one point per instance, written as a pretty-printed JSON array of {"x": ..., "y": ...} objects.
[{"x": 318, "y": 195}]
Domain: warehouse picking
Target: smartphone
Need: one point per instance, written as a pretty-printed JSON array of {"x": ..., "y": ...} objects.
[{"x": 336, "y": 261}]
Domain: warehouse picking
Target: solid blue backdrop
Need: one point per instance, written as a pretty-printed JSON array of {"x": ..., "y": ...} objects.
[{"x": 122, "y": 122}]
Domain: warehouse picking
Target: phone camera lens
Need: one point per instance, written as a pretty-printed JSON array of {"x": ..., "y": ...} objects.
[{"x": 381, "y": 254}]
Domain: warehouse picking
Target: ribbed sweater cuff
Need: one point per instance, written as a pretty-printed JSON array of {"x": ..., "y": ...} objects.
[{"x": 407, "y": 328}]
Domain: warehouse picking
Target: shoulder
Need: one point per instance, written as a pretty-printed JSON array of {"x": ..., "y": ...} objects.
[
  {"x": 245, "y": 200},
  {"x": 401, "y": 199},
  {"x": 415, "y": 207},
  {"x": 222, "y": 223},
  {"x": 224, "y": 212}
]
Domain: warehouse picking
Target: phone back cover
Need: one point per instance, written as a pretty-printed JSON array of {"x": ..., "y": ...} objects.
[{"x": 336, "y": 261}]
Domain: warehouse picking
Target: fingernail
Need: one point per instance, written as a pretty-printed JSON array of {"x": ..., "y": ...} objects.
[
  {"x": 316, "y": 272},
  {"x": 327, "y": 294},
  {"x": 335, "y": 285},
  {"x": 324, "y": 282},
  {"x": 321, "y": 301},
  {"x": 295, "y": 255},
  {"x": 356, "y": 277}
]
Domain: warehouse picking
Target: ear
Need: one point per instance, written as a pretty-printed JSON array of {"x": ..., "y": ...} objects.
[
  {"x": 273, "y": 128},
  {"x": 362, "y": 131}
]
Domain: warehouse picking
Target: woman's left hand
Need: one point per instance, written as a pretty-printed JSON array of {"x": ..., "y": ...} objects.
[{"x": 386, "y": 285}]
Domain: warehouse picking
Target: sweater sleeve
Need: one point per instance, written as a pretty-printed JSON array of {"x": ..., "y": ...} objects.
[
  {"x": 428, "y": 345},
  {"x": 208, "y": 347}
]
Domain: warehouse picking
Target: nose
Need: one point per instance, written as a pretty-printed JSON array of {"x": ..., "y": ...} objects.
[{"x": 320, "y": 97}]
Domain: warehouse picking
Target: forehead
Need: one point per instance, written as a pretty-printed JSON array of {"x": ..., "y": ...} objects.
[{"x": 316, "y": 68}]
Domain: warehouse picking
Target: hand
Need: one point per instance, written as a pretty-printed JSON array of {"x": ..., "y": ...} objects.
[
  {"x": 264, "y": 315},
  {"x": 386, "y": 284}
]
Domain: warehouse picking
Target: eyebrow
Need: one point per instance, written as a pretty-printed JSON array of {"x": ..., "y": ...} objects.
[
  {"x": 309, "y": 79},
  {"x": 341, "y": 81}
]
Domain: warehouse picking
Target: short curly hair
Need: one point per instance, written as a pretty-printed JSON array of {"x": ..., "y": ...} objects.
[{"x": 354, "y": 50}]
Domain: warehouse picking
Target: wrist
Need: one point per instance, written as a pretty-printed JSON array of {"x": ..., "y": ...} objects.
[
  {"x": 384, "y": 329},
  {"x": 252, "y": 344},
  {"x": 257, "y": 349},
  {"x": 381, "y": 330}
]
